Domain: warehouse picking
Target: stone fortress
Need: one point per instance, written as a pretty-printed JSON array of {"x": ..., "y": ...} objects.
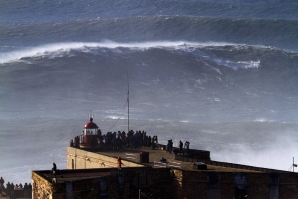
[{"x": 154, "y": 170}]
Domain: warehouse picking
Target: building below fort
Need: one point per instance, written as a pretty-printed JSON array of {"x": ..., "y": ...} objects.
[
  {"x": 93, "y": 173},
  {"x": 134, "y": 165}
]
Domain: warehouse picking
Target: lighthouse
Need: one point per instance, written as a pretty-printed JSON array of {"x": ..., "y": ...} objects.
[{"x": 91, "y": 135}]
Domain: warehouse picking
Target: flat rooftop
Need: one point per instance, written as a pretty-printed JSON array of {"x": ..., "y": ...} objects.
[
  {"x": 154, "y": 156},
  {"x": 157, "y": 154}
]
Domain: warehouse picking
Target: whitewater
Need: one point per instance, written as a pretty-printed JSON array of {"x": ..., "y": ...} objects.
[
  {"x": 63, "y": 49},
  {"x": 221, "y": 75}
]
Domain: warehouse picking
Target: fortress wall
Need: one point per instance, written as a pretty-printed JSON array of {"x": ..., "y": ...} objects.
[
  {"x": 164, "y": 183},
  {"x": 41, "y": 187},
  {"x": 227, "y": 164},
  {"x": 241, "y": 166},
  {"x": 81, "y": 159},
  {"x": 194, "y": 185},
  {"x": 156, "y": 182}
]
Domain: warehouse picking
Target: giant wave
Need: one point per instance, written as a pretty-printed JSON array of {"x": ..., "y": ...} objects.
[{"x": 64, "y": 49}]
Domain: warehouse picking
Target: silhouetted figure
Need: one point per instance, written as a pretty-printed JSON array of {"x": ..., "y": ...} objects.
[
  {"x": 119, "y": 163},
  {"x": 149, "y": 141},
  {"x": 8, "y": 188},
  {"x": 54, "y": 169},
  {"x": 181, "y": 147},
  {"x": 1, "y": 185},
  {"x": 71, "y": 143},
  {"x": 12, "y": 189},
  {"x": 30, "y": 190},
  {"x": 186, "y": 145},
  {"x": 170, "y": 146},
  {"x": 77, "y": 142},
  {"x": 26, "y": 188}
]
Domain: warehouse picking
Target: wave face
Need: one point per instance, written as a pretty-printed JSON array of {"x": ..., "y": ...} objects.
[
  {"x": 207, "y": 82},
  {"x": 223, "y": 73},
  {"x": 252, "y": 23},
  {"x": 277, "y": 33}
]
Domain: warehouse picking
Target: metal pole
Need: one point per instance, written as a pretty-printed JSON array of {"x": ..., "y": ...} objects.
[
  {"x": 293, "y": 165},
  {"x": 139, "y": 193},
  {"x": 128, "y": 109}
]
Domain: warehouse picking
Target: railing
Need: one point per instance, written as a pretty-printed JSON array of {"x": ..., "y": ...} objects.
[
  {"x": 174, "y": 164},
  {"x": 167, "y": 164},
  {"x": 131, "y": 156},
  {"x": 160, "y": 164}
]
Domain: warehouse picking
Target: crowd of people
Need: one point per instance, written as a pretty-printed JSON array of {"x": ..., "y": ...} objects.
[
  {"x": 169, "y": 147},
  {"x": 116, "y": 140},
  {"x": 133, "y": 139},
  {"x": 15, "y": 190}
]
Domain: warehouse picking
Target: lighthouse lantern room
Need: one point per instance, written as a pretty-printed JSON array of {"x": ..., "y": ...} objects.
[{"x": 91, "y": 135}]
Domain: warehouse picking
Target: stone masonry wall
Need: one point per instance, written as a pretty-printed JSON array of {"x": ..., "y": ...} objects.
[
  {"x": 41, "y": 188},
  {"x": 164, "y": 183},
  {"x": 82, "y": 159},
  {"x": 194, "y": 185},
  {"x": 155, "y": 182}
]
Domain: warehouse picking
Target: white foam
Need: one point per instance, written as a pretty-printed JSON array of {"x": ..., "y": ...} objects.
[
  {"x": 262, "y": 120},
  {"x": 184, "y": 121},
  {"x": 115, "y": 117},
  {"x": 278, "y": 155},
  {"x": 235, "y": 64},
  {"x": 50, "y": 49}
]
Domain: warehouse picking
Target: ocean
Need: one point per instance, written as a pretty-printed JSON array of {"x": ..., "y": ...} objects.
[{"x": 219, "y": 74}]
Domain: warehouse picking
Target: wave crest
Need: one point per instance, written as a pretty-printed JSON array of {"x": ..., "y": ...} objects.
[{"x": 66, "y": 49}]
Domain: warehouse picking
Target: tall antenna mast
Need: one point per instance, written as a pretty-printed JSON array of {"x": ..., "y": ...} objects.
[
  {"x": 90, "y": 115},
  {"x": 128, "y": 105},
  {"x": 294, "y": 165}
]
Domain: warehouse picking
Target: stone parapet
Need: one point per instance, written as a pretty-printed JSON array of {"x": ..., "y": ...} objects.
[
  {"x": 81, "y": 159},
  {"x": 196, "y": 185}
]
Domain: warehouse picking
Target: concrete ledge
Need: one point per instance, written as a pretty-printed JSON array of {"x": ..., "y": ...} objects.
[{"x": 81, "y": 159}]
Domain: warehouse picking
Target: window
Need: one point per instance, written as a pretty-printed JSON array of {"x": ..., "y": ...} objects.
[{"x": 90, "y": 131}]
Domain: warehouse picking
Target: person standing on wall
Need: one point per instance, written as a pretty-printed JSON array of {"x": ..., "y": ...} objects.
[
  {"x": 181, "y": 147},
  {"x": 54, "y": 169},
  {"x": 26, "y": 195},
  {"x": 119, "y": 163},
  {"x": 186, "y": 145},
  {"x": 11, "y": 189},
  {"x": 1, "y": 185}
]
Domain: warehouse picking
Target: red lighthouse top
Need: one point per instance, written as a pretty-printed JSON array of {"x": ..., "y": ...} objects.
[
  {"x": 91, "y": 135},
  {"x": 90, "y": 125}
]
